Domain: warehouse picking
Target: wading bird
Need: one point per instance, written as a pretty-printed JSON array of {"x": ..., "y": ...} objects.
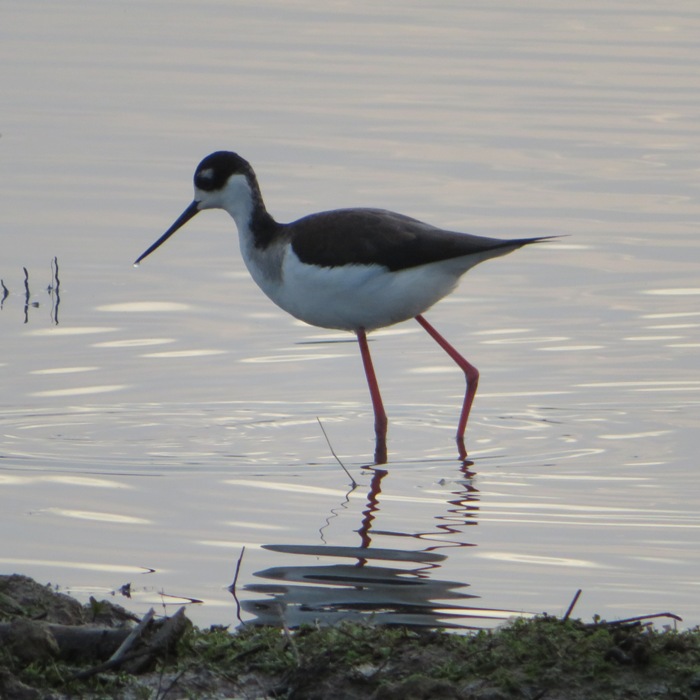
[{"x": 350, "y": 269}]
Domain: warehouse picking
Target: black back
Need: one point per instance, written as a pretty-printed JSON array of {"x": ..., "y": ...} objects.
[{"x": 395, "y": 241}]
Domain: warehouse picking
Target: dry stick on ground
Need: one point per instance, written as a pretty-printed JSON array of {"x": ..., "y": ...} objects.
[
  {"x": 123, "y": 653},
  {"x": 571, "y": 606},
  {"x": 627, "y": 621},
  {"x": 639, "y": 618},
  {"x": 171, "y": 629},
  {"x": 353, "y": 483},
  {"x": 158, "y": 693},
  {"x": 73, "y": 641},
  {"x": 163, "y": 640},
  {"x": 288, "y": 633},
  {"x": 129, "y": 642}
]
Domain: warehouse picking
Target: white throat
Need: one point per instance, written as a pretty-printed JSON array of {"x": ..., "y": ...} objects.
[{"x": 236, "y": 197}]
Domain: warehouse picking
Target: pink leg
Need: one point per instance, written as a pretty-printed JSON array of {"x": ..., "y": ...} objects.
[
  {"x": 471, "y": 374},
  {"x": 380, "y": 419}
]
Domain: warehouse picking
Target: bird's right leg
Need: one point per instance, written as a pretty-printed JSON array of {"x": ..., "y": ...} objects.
[{"x": 380, "y": 419}]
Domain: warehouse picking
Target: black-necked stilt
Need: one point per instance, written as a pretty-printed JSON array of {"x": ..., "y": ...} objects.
[{"x": 351, "y": 269}]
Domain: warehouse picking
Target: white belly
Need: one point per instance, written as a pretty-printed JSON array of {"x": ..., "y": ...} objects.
[{"x": 357, "y": 296}]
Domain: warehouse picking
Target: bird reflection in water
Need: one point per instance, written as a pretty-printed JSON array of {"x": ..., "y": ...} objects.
[{"x": 363, "y": 588}]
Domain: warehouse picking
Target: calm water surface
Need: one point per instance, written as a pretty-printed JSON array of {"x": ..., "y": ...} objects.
[{"x": 156, "y": 421}]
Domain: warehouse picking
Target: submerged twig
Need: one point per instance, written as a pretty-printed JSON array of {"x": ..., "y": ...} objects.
[
  {"x": 232, "y": 587},
  {"x": 54, "y": 272},
  {"x": 26, "y": 295},
  {"x": 353, "y": 483},
  {"x": 54, "y": 288}
]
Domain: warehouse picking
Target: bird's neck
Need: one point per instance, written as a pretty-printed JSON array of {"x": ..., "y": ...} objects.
[{"x": 243, "y": 201}]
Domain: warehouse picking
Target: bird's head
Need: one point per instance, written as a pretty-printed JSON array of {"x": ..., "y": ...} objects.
[{"x": 223, "y": 180}]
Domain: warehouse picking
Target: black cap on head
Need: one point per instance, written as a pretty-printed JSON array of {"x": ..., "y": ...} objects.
[{"x": 215, "y": 170}]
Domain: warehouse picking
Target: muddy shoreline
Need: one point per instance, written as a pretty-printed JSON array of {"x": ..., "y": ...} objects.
[{"x": 52, "y": 647}]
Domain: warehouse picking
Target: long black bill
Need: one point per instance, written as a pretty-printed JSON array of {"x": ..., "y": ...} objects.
[{"x": 181, "y": 221}]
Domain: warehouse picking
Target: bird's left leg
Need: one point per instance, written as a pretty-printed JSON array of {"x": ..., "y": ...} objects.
[{"x": 471, "y": 375}]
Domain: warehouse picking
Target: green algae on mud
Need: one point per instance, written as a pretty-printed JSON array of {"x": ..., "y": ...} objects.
[{"x": 543, "y": 657}]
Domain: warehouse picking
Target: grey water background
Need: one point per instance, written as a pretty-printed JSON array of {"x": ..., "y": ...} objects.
[{"x": 160, "y": 419}]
